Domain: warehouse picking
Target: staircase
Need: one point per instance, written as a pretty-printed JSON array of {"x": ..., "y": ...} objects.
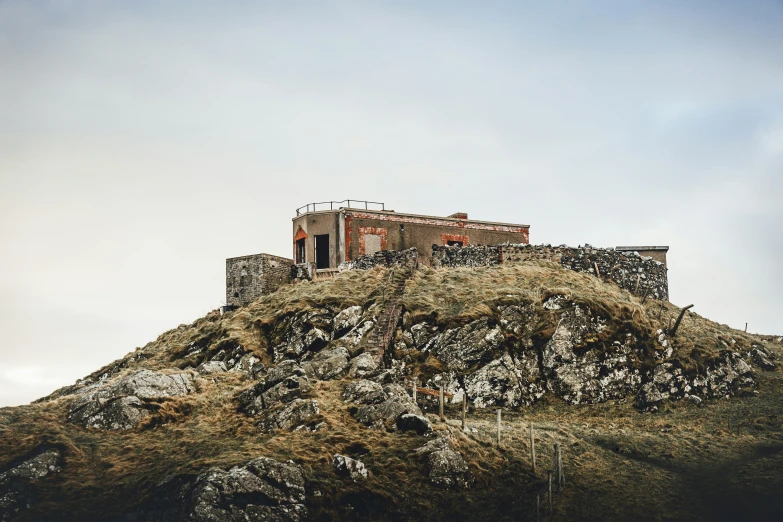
[{"x": 386, "y": 323}]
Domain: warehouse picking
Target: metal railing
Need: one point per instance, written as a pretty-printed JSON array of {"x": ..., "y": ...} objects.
[{"x": 331, "y": 205}]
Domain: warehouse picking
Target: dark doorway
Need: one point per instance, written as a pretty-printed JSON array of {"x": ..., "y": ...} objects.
[
  {"x": 322, "y": 251},
  {"x": 300, "y": 252},
  {"x": 454, "y": 243}
]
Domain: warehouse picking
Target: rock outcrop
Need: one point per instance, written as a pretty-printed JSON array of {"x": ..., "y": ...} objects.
[
  {"x": 348, "y": 467},
  {"x": 120, "y": 405},
  {"x": 16, "y": 493},
  {"x": 261, "y": 490},
  {"x": 446, "y": 466}
]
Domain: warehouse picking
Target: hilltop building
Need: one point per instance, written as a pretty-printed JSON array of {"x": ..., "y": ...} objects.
[
  {"x": 334, "y": 232},
  {"x": 326, "y": 235}
]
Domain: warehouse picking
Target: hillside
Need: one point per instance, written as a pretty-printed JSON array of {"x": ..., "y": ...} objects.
[{"x": 241, "y": 416}]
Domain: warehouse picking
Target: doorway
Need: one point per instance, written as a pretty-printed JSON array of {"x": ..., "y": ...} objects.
[
  {"x": 321, "y": 251},
  {"x": 300, "y": 251}
]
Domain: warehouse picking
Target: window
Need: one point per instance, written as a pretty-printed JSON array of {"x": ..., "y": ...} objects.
[
  {"x": 300, "y": 250},
  {"x": 454, "y": 243}
]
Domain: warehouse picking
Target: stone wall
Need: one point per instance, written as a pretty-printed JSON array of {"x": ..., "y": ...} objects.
[
  {"x": 628, "y": 270},
  {"x": 407, "y": 257},
  {"x": 250, "y": 277}
]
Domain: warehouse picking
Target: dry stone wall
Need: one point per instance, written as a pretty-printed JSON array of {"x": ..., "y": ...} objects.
[
  {"x": 628, "y": 270},
  {"x": 407, "y": 257}
]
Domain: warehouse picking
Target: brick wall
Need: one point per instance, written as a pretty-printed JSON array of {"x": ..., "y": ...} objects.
[{"x": 250, "y": 277}]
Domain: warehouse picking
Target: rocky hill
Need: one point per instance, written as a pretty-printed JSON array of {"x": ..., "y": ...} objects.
[{"x": 284, "y": 410}]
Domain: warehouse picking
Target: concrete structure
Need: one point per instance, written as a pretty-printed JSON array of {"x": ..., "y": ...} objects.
[
  {"x": 331, "y": 233},
  {"x": 656, "y": 252},
  {"x": 250, "y": 277}
]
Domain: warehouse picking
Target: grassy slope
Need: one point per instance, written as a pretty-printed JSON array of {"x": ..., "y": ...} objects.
[{"x": 706, "y": 460}]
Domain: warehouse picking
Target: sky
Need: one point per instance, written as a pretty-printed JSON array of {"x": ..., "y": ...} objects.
[{"x": 142, "y": 143}]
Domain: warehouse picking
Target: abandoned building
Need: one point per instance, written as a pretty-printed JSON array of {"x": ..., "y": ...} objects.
[{"x": 330, "y": 234}]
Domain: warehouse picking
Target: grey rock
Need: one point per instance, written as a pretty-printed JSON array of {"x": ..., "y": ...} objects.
[
  {"x": 281, "y": 385},
  {"x": 346, "y": 320},
  {"x": 461, "y": 348},
  {"x": 418, "y": 423},
  {"x": 364, "y": 392},
  {"x": 384, "y": 415},
  {"x": 295, "y": 335},
  {"x": 447, "y": 467},
  {"x": 581, "y": 374},
  {"x": 261, "y": 490},
  {"x": 119, "y": 405},
  {"x": 421, "y": 334},
  {"x": 348, "y": 467},
  {"x": 362, "y": 366},
  {"x": 505, "y": 382},
  {"x": 328, "y": 364},
  {"x": 210, "y": 367},
  {"x": 16, "y": 493},
  {"x": 298, "y": 414},
  {"x": 762, "y": 358},
  {"x": 249, "y": 364}
]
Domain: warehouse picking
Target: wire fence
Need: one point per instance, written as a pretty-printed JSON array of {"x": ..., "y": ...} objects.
[{"x": 549, "y": 493}]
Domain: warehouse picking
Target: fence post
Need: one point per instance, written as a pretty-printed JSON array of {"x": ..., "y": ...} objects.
[
  {"x": 558, "y": 467},
  {"x": 464, "y": 408},
  {"x": 532, "y": 449},
  {"x": 549, "y": 494},
  {"x": 499, "y": 427},
  {"x": 538, "y": 507},
  {"x": 442, "y": 416},
  {"x": 414, "y": 390}
]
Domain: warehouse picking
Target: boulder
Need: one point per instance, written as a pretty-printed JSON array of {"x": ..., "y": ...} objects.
[
  {"x": 261, "y": 490},
  {"x": 346, "y": 320},
  {"x": 362, "y": 366},
  {"x": 446, "y": 466},
  {"x": 210, "y": 367},
  {"x": 384, "y": 415},
  {"x": 505, "y": 382},
  {"x": 762, "y": 358},
  {"x": 582, "y": 374},
  {"x": 298, "y": 414},
  {"x": 297, "y": 334},
  {"x": 421, "y": 334},
  {"x": 249, "y": 364},
  {"x": 16, "y": 494},
  {"x": 328, "y": 364},
  {"x": 418, "y": 423},
  {"x": 519, "y": 321},
  {"x": 282, "y": 384},
  {"x": 348, "y": 467},
  {"x": 461, "y": 348},
  {"x": 120, "y": 406},
  {"x": 364, "y": 392}
]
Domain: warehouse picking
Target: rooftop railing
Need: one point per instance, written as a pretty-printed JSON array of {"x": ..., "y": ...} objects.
[{"x": 347, "y": 203}]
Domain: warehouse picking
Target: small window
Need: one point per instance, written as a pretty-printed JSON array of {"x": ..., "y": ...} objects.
[
  {"x": 300, "y": 250},
  {"x": 454, "y": 243}
]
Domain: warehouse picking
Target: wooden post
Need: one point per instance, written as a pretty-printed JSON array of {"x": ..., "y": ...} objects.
[
  {"x": 538, "y": 507},
  {"x": 597, "y": 272},
  {"x": 549, "y": 494},
  {"x": 746, "y": 327},
  {"x": 498, "y": 427},
  {"x": 415, "y": 385},
  {"x": 638, "y": 280},
  {"x": 560, "y": 478},
  {"x": 442, "y": 415},
  {"x": 532, "y": 449},
  {"x": 464, "y": 408}
]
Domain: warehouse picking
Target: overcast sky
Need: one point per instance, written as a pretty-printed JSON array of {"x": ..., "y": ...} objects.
[{"x": 142, "y": 143}]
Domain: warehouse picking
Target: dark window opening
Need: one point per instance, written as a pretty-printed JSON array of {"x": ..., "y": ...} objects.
[
  {"x": 322, "y": 251},
  {"x": 300, "y": 250},
  {"x": 454, "y": 243}
]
